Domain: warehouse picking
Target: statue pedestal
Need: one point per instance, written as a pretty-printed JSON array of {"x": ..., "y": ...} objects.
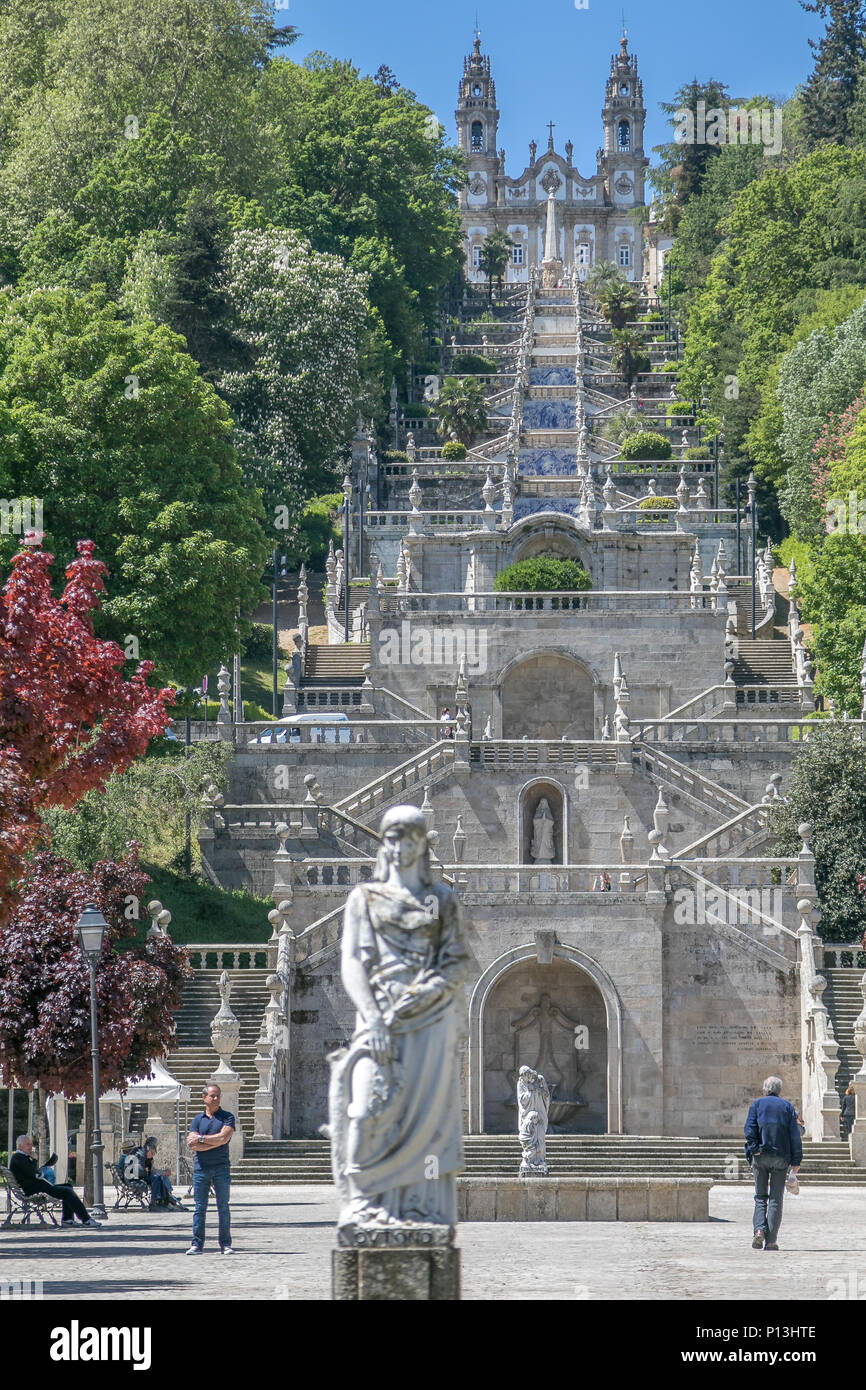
[{"x": 417, "y": 1264}]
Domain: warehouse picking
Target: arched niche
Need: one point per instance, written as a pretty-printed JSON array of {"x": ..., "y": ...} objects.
[
  {"x": 548, "y": 695},
  {"x": 531, "y": 796},
  {"x": 503, "y": 1002}
]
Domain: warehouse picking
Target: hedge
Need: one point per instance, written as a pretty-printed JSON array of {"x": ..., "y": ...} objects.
[
  {"x": 543, "y": 573},
  {"x": 646, "y": 445}
]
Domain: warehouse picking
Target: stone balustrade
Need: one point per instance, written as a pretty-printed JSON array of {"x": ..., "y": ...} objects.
[
  {"x": 431, "y": 762},
  {"x": 241, "y": 956},
  {"x": 386, "y": 732},
  {"x": 843, "y": 955},
  {"x": 688, "y": 780},
  {"x": 738, "y": 873},
  {"x": 409, "y": 520},
  {"x": 503, "y": 753},
  {"x": 638, "y": 601},
  {"x": 733, "y": 731}
]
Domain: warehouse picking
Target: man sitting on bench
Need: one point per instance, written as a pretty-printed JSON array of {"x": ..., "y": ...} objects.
[{"x": 22, "y": 1166}]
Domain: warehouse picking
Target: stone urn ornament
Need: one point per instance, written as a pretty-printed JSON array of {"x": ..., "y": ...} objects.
[{"x": 225, "y": 1030}]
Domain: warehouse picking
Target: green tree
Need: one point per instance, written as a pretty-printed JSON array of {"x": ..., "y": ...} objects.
[
  {"x": 601, "y": 275},
  {"x": 684, "y": 162},
  {"x": 112, "y": 426},
  {"x": 495, "y": 254},
  {"x": 629, "y": 355},
  {"x": 827, "y": 790},
  {"x": 299, "y": 318},
  {"x": 618, "y": 303},
  {"x": 829, "y": 96},
  {"x": 363, "y": 171},
  {"x": 462, "y": 409}
]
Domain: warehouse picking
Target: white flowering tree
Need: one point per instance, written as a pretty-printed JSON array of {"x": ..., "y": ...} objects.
[{"x": 299, "y": 319}]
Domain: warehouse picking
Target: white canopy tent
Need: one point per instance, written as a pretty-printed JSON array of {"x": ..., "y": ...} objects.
[{"x": 157, "y": 1089}]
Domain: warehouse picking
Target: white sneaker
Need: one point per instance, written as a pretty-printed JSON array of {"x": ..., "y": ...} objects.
[
  {"x": 193, "y": 1250},
  {"x": 92, "y": 1225},
  {"x": 226, "y": 1250}
]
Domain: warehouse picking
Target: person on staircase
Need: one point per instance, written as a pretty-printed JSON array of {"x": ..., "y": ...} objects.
[{"x": 849, "y": 1110}]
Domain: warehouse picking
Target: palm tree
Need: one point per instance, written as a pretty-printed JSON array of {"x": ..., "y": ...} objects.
[
  {"x": 601, "y": 275},
  {"x": 494, "y": 259},
  {"x": 462, "y": 409},
  {"x": 629, "y": 355},
  {"x": 619, "y": 303}
]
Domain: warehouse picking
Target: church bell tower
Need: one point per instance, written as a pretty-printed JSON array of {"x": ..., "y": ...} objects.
[
  {"x": 624, "y": 116},
  {"x": 478, "y": 127}
]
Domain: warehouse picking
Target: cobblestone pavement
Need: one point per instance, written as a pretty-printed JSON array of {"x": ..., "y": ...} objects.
[{"x": 283, "y": 1238}]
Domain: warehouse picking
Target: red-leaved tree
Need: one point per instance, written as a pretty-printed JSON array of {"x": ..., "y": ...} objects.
[
  {"x": 68, "y": 719},
  {"x": 45, "y": 981}
]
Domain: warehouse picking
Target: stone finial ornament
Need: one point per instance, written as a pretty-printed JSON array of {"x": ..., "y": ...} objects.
[{"x": 225, "y": 1030}]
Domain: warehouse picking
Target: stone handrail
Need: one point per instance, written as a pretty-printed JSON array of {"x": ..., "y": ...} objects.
[
  {"x": 743, "y": 826},
  {"x": 820, "y": 1048},
  {"x": 508, "y": 879},
  {"x": 320, "y": 936},
  {"x": 793, "y": 731},
  {"x": 668, "y": 601},
  {"x": 485, "y": 453},
  {"x": 837, "y": 949},
  {"x": 709, "y": 794},
  {"x": 361, "y": 731},
  {"x": 272, "y": 1060},
  {"x": 748, "y": 872},
  {"x": 537, "y": 752},
  {"x": 415, "y": 772},
  {"x": 228, "y": 957},
  {"x": 726, "y": 917},
  {"x": 400, "y": 702},
  {"x": 443, "y": 519}
]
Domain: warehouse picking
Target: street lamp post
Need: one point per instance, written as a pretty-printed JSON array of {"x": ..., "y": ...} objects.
[
  {"x": 91, "y": 928},
  {"x": 738, "y": 524},
  {"x": 347, "y": 502},
  {"x": 753, "y": 510}
]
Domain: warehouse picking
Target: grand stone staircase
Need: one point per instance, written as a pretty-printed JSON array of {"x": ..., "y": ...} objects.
[
  {"x": 194, "y": 1059},
  {"x": 763, "y": 663},
  {"x": 493, "y": 1155},
  {"x": 844, "y": 1002}
]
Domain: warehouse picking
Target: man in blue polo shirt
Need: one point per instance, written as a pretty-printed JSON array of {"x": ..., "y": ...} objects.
[
  {"x": 209, "y": 1136},
  {"x": 773, "y": 1145}
]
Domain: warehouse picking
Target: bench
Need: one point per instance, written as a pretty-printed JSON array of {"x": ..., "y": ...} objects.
[
  {"x": 19, "y": 1204},
  {"x": 128, "y": 1190}
]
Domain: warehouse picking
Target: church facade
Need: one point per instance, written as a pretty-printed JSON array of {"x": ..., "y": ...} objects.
[{"x": 595, "y": 213}]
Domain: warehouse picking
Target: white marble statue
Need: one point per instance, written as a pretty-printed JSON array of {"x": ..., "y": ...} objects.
[
  {"x": 533, "y": 1105},
  {"x": 395, "y": 1097},
  {"x": 542, "y": 850}
]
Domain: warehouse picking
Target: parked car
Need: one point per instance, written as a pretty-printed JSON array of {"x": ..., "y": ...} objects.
[{"x": 323, "y": 729}]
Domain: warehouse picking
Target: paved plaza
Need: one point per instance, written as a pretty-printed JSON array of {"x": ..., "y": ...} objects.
[{"x": 283, "y": 1237}]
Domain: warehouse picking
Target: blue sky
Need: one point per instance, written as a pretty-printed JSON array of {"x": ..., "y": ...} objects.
[{"x": 551, "y": 60}]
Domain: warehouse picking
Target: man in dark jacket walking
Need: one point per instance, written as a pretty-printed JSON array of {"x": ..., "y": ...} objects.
[{"x": 773, "y": 1145}]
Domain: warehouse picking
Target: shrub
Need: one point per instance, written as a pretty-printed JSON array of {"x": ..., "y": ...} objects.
[
  {"x": 697, "y": 451},
  {"x": 396, "y": 456},
  {"x": 543, "y": 573},
  {"x": 474, "y": 364},
  {"x": 658, "y": 504},
  {"x": 453, "y": 451},
  {"x": 667, "y": 367},
  {"x": 646, "y": 445},
  {"x": 260, "y": 642},
  {"x": 416, "y": 410},
  {"x": 317, "y": 528}
]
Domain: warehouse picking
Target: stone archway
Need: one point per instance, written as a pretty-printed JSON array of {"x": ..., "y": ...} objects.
[
  {"x": 548, "y": 695},
  {"x": 513, "y": 1021}
]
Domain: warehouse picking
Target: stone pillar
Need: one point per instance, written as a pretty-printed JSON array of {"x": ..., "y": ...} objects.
[
  {"x": 224, "y": 1036},
  {"x": 858, "y": 1133}
]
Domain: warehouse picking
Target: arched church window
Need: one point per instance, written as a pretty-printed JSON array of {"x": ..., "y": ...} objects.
[
  {"x": 477, "y": 135},
  {"x": 624, "y": 135}
]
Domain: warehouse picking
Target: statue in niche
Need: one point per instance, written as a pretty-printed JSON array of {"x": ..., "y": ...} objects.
[
  {"x": 542, "y": 850},
  {"x": 533, "y": 1104},
  {"x": 394, "y": 1095}
]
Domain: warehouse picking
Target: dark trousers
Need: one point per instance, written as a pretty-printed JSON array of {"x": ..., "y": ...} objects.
[
  {"x": 72, "y": 1205},
  {"x": 221, "y": 1180},
  {"x": 771, "y": 1170}
]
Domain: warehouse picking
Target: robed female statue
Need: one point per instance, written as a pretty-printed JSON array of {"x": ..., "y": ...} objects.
[{"x": 395, "y": 1099}]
